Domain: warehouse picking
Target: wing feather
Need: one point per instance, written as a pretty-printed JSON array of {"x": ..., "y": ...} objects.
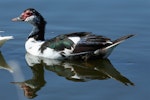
[{"x": 58, "y": 43}]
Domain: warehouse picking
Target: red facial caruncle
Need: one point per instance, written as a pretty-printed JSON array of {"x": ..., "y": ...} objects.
[{"x": 25, "y": 14}]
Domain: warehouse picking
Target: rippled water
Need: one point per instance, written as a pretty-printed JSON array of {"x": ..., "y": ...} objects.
[{"x": 110, "y": 79}]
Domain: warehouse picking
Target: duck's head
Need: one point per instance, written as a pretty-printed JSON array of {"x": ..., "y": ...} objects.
[
  {"x": 30, "y": 15},
  {"x": 33, "y": 17}
]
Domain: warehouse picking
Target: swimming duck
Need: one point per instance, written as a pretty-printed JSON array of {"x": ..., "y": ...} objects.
[
  {"x": 3, "y": 39},
  {"x": 77, "y": 45}
]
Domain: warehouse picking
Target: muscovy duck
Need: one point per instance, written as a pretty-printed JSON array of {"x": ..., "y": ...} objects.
[{"x": 77, "y": 45}]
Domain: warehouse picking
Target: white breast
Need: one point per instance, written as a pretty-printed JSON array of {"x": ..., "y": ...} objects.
[{"x": 33, "y": 47}]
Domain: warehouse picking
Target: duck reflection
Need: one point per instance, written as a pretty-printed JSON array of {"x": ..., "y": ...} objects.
[
  {"x": 77, "y": 71},
  {"x": 3, "y": 64},
  {"x": 85, "y": 71},
  {"x": 31, "y": 86}
]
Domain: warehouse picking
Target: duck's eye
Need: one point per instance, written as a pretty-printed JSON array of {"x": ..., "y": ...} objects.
[{"x": 28, "y": 13}]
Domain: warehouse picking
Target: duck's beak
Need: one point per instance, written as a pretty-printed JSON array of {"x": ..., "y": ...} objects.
[{"x": 17, "y": 19}]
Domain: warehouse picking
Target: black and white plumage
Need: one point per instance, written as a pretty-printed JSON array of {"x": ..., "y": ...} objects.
[{"x": 83, "y": 45}]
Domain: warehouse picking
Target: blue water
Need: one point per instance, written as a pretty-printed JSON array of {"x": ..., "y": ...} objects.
[{"x": 99, "y": 81}]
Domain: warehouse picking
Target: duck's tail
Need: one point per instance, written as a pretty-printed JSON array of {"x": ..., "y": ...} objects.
[{"x": 106, "y": 51}]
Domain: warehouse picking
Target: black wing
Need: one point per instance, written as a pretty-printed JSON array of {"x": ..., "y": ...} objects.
[{"x": 92, "y": 42}]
